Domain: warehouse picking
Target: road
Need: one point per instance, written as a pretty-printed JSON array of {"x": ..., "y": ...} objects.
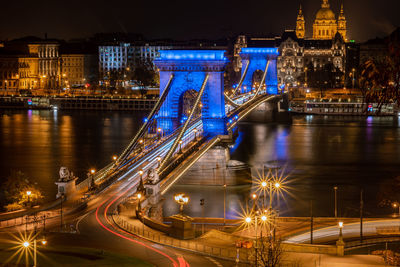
[
  {"x": 94, "y": 228},
  {"x": 350, "y": 231}
]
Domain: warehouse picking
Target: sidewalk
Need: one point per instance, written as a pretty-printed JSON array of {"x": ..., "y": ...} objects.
[{"x": 222, "y": 245}]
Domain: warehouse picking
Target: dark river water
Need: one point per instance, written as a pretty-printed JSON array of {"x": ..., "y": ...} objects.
[{"x": 316, "y": 153}]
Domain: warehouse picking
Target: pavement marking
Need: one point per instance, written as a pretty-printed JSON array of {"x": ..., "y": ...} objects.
[
  {"x": 80, "y": 219},
  {"x": 214, "y": 261}
]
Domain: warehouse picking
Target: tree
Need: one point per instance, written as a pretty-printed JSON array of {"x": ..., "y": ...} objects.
[
  {"x": 380, "y": 78},
  {"x": 16, "y": 187},
  {"x": 269, "y": 252},
  {"x": 389, "y": 192},
  {"x": 145, "y": 75}
]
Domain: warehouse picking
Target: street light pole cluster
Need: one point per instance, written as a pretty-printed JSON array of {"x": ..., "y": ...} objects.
[{"x": 181, "y": 199}]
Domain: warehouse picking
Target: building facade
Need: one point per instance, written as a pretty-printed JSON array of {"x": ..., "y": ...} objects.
[{"x": 325, "y": 25}]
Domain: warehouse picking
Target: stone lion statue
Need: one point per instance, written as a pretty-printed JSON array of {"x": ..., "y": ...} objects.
[
  {"x": 65, "y": 175},
  {"x": 152, "y": 176}
]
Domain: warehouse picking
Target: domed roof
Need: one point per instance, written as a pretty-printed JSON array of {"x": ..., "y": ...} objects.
[{"x": 325, "y": 14}]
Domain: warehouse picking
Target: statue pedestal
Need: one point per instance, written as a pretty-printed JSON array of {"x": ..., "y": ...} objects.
[
  {"x": 153, "y": 193},
  {"x": 66, "y": 188},
  {"x": 182, "y": 227}
]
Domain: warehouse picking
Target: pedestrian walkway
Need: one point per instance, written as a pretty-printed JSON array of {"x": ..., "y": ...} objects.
[{"x": 222, "y": 245}]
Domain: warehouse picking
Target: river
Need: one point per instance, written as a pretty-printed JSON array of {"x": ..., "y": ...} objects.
[{"x": 315, "y": 152}]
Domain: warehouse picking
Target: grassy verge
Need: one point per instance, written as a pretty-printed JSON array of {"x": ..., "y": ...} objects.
[{"x": 65, "y": 256}]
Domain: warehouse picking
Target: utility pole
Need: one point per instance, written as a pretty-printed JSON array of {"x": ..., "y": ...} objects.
[
  {"x": 311, "y": 222},
  {"x": 202, "y": 215},
  {"x": 61, "y": 212},
  {"x": 335, "y": 189},
  {"x": 361, "y": 215}
]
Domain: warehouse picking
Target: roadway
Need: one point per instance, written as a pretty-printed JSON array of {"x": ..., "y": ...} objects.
[
  {"x": 96, "y": 230},
  {"x": 350, "y": 231}
]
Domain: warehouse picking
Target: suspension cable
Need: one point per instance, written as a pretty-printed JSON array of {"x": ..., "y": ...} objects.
[
  {"x": 183, "y": 130},
  {"x": 230, "y": 100},
  {"x": 146, "y": 124}
]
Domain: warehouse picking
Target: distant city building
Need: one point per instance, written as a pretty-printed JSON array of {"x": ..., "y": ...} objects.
[
  {"x": 299, "y": 55},
  {"x": 79, "y": 65},
  {"x": 325, "y": 24}
]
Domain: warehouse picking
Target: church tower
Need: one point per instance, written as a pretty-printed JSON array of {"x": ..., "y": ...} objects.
[
  {"x": 300, "y": 25},
  {"x": 325, "y": 25},
  {"x": 342, "y": 24}
]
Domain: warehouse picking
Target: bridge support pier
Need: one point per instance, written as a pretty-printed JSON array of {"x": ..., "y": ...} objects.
[{"x": 216, "y": 168}]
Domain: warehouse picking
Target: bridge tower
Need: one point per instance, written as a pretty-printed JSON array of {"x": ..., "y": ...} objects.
[
  {"x": 256, "y": 59},
  {"x": 190, "y": 69}
]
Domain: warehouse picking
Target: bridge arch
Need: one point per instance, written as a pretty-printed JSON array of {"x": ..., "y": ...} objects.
[
  {"x": 190, "y": 69},
  {"x": 254, "y": 59}
]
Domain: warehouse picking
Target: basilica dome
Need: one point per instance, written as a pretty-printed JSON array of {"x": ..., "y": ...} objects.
[{"x": 325, "y": 14}]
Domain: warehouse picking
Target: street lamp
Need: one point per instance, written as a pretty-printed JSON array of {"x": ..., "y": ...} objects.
[
  {"x": 160, "y": 132},
  {"x": 180, "y": 146},
  {"x": 159, "y": 161},
  {"x": 335, "y": 190},
  {"x": 92, "y": 171},
  {"x": 181, "y": 199},
  {"x": 142, "y": 142},
  {"x": 139, "y": 196},
  {"x": 28, "y": 193},
  {"x": 114, "y": 157},
  {"x": 396, "y": 205},
  {"x": 195, "y": 134},
  {"x": 340, "y": 231}
]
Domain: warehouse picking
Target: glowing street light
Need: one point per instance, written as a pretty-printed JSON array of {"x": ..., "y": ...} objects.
[
  {"x": 28, "y": 193},
  {"x": 159, "y": 161},
  {"x": 114, "y": 157},
  {"x": 248, "y": 220},
  {"x": 92, "y": 171},
  {"x": 396, "y": 205},
  {"x": 141, "y": 141},
  {"x": 26, "y": 244},
  {"x": 340, "y": 224},
  {"x": 181, "y": 199},
  {"x": 180, "y": 146},
  {"x": 160, "y": 132},
  {"x": 195, "y": 134},
  {"x": 263, "y": 218}
]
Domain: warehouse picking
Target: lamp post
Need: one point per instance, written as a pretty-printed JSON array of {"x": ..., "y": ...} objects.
[
  {"x": 195, "y": 134},
  {"x": 159, "y": 161},
  {"x": 181, "y": 199},
  {"x": 28, "y": 193},
  {"x": 180, "y": 146},
  {"x": 160, "y": 132},
  {"x": 139, "y": 208},
  {"x": 224, "y": 204},
  {"x": 61, "y": 212},
  {"x": 335, "y": 192},
  {"x": 141, "y": 141},
  {"x": 395, "y": 206},
  {"x": 340, "y": 231}
]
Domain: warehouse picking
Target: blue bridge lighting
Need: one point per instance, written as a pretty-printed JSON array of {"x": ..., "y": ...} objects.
[
  {"x": 190, "y": 69},
  {"x": 259, "y": 50},
  {"x": 257, "y": 58},
  {"x": 192, "y": 55}
]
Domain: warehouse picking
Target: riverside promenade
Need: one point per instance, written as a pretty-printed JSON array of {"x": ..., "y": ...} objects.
[{"x": 220, "y": 241}]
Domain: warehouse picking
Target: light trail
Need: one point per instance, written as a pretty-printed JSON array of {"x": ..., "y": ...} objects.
[{"x": 175, "y": 264}]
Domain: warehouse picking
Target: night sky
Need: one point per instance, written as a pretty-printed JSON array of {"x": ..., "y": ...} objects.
[{"x": 186, "y": 19}]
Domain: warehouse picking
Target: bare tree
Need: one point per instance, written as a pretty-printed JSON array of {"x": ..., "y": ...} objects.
[
  {"x": 269, "y": 252},
  {"x": 380, "y": 79}
]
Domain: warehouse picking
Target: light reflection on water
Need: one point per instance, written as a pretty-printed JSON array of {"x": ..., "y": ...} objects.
[
  {"x": 40, "y": 142},
  {"x": 319, "y": 152}
]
